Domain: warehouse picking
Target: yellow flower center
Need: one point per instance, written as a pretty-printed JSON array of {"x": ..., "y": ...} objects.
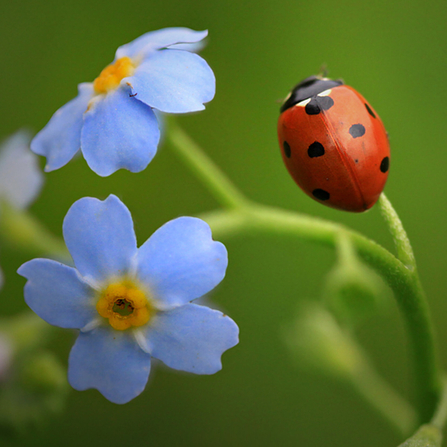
[
  {"x": 125, "y": 305},
  {"x": 111, "y": 76}
]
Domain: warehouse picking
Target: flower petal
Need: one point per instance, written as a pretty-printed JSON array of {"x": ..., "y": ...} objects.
[
  {"x": 174, "y": 81},
  {"x": 111, "y": 362},
  {"x": 20, "y": 176},
  {"x": 60, "y": 139},
  {"x": 191, "y": 338},
  {"x": 191, "y": 47},
  {"x": 100, "y": 237},
  {"x": 180, "y": 262},
  {"x": 154, "y": 40},
  {"x": 57, "y": 294},
  {"x": 119, "y": 132}
]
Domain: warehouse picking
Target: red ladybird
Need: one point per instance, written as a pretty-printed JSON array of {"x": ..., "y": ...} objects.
[{"x": 334, "y": 144}]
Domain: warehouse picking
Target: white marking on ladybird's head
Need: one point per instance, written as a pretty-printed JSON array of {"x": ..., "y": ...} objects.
[
  {"x": 303, "y": 103},
  {"x": 288, "y": 96},
  {"x": 325, "y": 92}
]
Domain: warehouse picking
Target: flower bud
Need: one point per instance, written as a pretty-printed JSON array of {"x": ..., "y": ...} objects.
[
  {"x": 353, "y": 290},
  {"x": 33, "y": 383},
  {"x": 319, "y": 343},
  {"x": 43, "y": 373}
]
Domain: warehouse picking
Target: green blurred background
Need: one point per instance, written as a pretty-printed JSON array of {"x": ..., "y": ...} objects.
[{"x": 394, "y": 53}]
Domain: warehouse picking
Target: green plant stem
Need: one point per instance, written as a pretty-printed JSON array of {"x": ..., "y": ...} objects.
[
  {"x": 345, "y": 250},
  {"x": 384, "y": 399},
  {"x": 321, "y": 345},
  {"x": 201, "y": 165},
  {"x": 19, "y": 229},
  {"x": 268, "y": 221},
  {"x": 406, "y": 256},
  {"x": 242, "y": 215},
  {"x": 401, "y": 241}
]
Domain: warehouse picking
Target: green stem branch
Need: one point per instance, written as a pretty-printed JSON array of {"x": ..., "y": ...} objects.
[
  {"x": 267, "y": 221},
  {"x": 384, "y": 399},
  {"x": 201, "y": 165},
  {"x": 242, "y": 215},
  {"x": 401, "y": 241},
  {"x": 19, "y": 228}
]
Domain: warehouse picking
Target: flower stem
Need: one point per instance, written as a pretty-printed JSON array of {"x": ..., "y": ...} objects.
[
  {"x": 384, "y": 399},
  {"x": 401, "y": 241},
  {"x": 267, "y": 221},
  {"x": 20, "y": 229},
  {"x": 201, "y": 165},
  {"x": 416, "y": 302},
  {"x": 242, "y": 215}
]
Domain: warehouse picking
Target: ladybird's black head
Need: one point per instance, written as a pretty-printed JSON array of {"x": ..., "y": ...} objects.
[{"x": 311, "y": 86}]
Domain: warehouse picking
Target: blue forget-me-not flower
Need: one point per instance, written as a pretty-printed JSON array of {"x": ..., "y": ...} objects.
[
  {"x": 131, "y": 303},
  {"x": 112, "y": 120},
  {"x": 20, "y": 176}
]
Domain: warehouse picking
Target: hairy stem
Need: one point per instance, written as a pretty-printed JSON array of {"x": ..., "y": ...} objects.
[
  {"x": 405, "y": 284},
  {"x": 242, "y": 215},
  {"x": 201, "y": 165}
]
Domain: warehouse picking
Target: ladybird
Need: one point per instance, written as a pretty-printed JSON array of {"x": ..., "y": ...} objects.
[{"x": 334, "y": 144}]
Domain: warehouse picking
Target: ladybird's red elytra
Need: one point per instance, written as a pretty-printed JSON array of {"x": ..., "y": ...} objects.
[{"x": 334, "y": 144}]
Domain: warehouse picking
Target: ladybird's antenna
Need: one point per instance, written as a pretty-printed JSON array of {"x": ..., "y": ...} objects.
[{"x": 323, "y": 71}]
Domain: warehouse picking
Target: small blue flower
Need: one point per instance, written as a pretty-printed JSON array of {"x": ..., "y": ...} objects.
[
  {"x": 20, "y": 176},
  {"x": 132, "y": 303},
  {"x": 112, "y": 120}
]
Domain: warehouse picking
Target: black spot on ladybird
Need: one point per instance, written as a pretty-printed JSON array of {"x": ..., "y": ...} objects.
[
  {"x": 312, "y": 108},
  {"x": 316, "y": 149},
  {"x": 326, "y": 102},
  {"x": 357, "y": 130},
  {"x": 319, "y": 103},
  {"x": 321, "y": 194},
  {"x": 385, "y": 164},
  {"x": 287, "y": 150},
  {"x": 369, "y": 110}
]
